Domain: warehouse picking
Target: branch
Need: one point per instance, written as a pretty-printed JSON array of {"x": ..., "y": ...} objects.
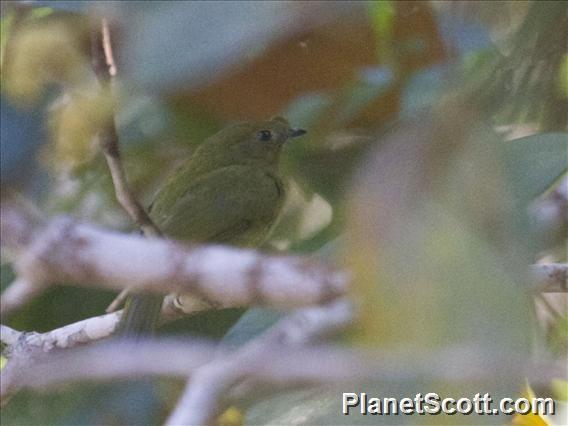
[
  {"x": 91, "y": 329},
  {"x": 65, "y": 251},
  {"x": 33, "y": 364},
  {"x": 9, "y": 336},
  {"x": 207, "y": 386},
  {"x": 105, "y": 69},
  {"x": 19, "y": 293},
  {"x": 26, "y": 349},
  {"x": 551, "y": 277},
  {"x": 550, "y": 213},
  {"x": 285, "y": 366}
]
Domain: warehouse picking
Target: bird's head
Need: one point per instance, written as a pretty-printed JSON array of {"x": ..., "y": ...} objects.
[{"x": 255, "y": 143}]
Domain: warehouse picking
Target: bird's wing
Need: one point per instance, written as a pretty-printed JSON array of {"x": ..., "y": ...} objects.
[{"x": 222, "y": 206}]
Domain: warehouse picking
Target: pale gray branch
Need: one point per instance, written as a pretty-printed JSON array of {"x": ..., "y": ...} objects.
[
  {"x": 66, "y": 251},
  {"x": 20, "y": 292},
  {"x": 8, "y": 335},
  {"x": 282, "y": 365},
  {"x": 550, "y": 214},
  {"x": 551, "y": 277},
  {"x": 208, "y": 386}
]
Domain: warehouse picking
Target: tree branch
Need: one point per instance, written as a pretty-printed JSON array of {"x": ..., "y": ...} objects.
[
  {"x": 19, "y": 293},
  {"x": 551, "y": 277},
  {"x": 285, "y": 366},
  {"x": 65, "y": 251},
  {"x": 550, "y": 214},
  {"x": 9, "y": 336},
  {"x": 105, "y": 69},
  {"x": 203, "y": 397}
]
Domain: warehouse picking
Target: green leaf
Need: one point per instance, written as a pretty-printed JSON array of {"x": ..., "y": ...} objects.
[
  {"x": 536, "y": 162},
  {"x": 253, "y": 323}
]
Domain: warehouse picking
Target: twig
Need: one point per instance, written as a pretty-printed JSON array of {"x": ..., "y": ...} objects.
[
  {"x": 19, "y": 293},
  {"x": 92, "y": 329},
  {"x": 118, "y": 301},
  {"x": 105, "y": 69}
]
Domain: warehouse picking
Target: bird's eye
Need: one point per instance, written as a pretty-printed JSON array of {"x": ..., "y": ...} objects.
[{"x": 265, "y": 135}]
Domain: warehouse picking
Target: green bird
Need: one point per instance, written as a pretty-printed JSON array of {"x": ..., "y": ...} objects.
[{"x": 229, "y": 192}]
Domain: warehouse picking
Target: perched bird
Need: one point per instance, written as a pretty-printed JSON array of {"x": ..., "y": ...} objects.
[{"x": 229, "y": 192}]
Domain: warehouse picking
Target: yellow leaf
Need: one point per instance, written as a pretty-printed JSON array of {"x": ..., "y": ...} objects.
[{"x": 231, "y": 417}]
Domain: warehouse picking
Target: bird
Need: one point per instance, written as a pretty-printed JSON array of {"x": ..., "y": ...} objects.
[{"x": 229, "y": 191}]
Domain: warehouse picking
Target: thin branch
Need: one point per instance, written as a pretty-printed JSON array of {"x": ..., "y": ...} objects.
[
  {"x": 18, "y": 294},
  {"x": 118, "y": 301},
  {"x": 95, "y": 328},
  {"x": 105, "y": 69}
]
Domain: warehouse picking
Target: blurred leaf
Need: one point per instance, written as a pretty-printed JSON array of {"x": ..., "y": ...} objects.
[
  {"x": 318, "y": 59},
  {"x": 564, "y": 76},
  {"x": 372, "y": 83},
  {"x": 232, "y": 416},
  {"x": 560, "y": 388},
  {"x": 525, "y": 80},
  {"x": 536, "y": 162},
  {"x": 193, "y": 43},
  {"x": 251, "y": 324},
  {"x": 87, "y": 404},
  {"x": 423, "y": 90},
  {"x": 430, "y": 230},
  {"x": 307, "y": 407},
  {"x": 306, "y": 110},
  {"x": 22, "y": 133},
  {"x": 382, "y": 14},
  {"x": 64, "y": 5},
  {"x": 529, "y": 419},
  {"x": 464, "y": 36}
]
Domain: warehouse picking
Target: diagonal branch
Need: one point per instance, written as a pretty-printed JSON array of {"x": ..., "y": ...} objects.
[
  {"x": 105, "y": 69},
  {"x": 207, "y": 386}
]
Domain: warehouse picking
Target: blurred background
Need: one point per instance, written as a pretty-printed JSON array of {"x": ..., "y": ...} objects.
[{"x": 434, "y": 169}]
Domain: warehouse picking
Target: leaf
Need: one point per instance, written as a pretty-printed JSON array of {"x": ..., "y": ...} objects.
[
  {"x": 465, "y": 36},
  {"x": 422, "y": 90},
  {"x": 173, "y": 44},
  {"x": 21, "y": 134},
  {"x": 251, "y": 324},
  {"x": 535, "y": 163},
  {"x": 65, "y": 5}
]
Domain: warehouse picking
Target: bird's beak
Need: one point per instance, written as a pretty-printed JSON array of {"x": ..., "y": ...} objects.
[{"x": 294, "y": 133}]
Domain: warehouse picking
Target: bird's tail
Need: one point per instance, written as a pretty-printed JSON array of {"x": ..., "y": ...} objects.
[{"x": 141, "y": 315}]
